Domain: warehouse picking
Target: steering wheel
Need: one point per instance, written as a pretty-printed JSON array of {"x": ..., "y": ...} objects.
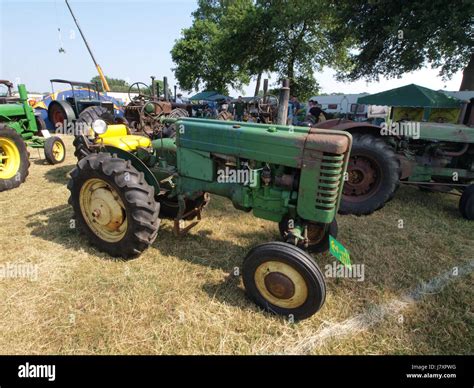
[{"x": 141, "y": 95}]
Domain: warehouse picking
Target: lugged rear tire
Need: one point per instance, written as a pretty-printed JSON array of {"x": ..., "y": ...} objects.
[
  {"x": 89, "y": 115},
  {"x": 136, "y": 199},
  {"x": 371, "y": 159}
]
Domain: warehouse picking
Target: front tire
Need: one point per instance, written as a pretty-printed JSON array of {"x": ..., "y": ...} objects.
[
  {"x": 373, "y": 172},
  {"x": 284, "y": 280},
  {"x": 54, "y": 150},
  {"x": 114, "y": 205},
  {"x": 14, "y": 159}
]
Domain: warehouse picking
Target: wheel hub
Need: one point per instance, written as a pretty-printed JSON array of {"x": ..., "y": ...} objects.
[
  {"x": 279, "y": 285},
  {"x": 58, "y": 151},
  {"x": 9, "y": 159},
  {"x": 103, "y": 210},
  {"x": 362, "y": 175}
]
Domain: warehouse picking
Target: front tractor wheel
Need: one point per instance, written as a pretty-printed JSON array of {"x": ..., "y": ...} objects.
[
  {"x": 114, "y": 205},
  {"x": 54, "y": 150},
  {"x": 373, "y": 176},
  {"x": 284, "y": 280},
  {"x": 14, "y": 159}
]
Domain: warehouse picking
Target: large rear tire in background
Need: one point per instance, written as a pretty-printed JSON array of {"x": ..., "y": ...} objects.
[
  {"x": 284, "y": 280},
  {"x": 90, "y": 114},
  {"x": 14, "y": 159},
  {"x": 466, "y": 203},
  {"x": 373, "y": 176},
  {"x": 113, "y": 204}
]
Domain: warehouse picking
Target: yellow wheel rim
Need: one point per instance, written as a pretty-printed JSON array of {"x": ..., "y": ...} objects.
[
  {"x": 280, "y": 284},
  {"x": 58, "y": 151},
  {"x": 10, "y": 159},
  {"x": 103, "y": 210}
]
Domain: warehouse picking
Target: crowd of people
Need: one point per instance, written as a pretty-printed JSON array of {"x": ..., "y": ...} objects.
[{"x": 242, "y": 110}]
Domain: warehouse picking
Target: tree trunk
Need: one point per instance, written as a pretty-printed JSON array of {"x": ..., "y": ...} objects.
[
  {"x": 257, "y": 86},
  {"x": 467, "y": 82}
]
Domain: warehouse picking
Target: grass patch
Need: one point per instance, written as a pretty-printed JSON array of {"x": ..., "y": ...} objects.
[{"x": 180, "y": 296}]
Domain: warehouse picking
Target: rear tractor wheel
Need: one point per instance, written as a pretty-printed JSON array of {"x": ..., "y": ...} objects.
[
  {"x": 373, "y": 176},
  {"x": 284, "y": 280},
  {"x": 14, "y": 159},
  {"x": 114, "y": 205}
]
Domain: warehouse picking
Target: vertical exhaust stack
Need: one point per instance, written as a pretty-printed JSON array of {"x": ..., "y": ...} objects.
[
  {"x": 283, "y": 103},
  {"x": 165, "y": 87}
]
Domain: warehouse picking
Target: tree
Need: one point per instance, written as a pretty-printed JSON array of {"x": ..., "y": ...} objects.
[
  {"x": 198, "y": 53},
  {"x": 390, "y": 38},
  {"x": 232, "y": 41}
]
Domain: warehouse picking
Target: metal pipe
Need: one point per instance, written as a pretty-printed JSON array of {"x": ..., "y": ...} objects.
[
  {"x": 165, "y": 87},
  {"x": 99, "y": 69},
  {"x": 282, "y": 116}
]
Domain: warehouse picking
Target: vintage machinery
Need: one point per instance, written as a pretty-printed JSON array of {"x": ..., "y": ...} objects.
[
  {"x": 19, "y": 127},
  {"x": 6, "y": 92},
  {"x": 290, "y": 176},
  {"x": 146, "y": 108},
  {"x": 84, "y": 95},
  {"x": 435, "y": 156}
]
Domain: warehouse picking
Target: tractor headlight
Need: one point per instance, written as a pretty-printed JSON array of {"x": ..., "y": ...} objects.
[{"x": 99, "y": 126}]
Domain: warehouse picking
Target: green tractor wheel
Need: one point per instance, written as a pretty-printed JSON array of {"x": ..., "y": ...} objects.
[
  {"x": 318, "y": 235},
  {"x": 54, "y": 150},
  {"x": 284, "y": 280},
  {"x": 114, "y": 205},
  {"x": 14, "y": 159}
]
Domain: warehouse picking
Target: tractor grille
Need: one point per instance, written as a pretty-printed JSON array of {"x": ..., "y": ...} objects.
[{"x": 330, "y": 180}]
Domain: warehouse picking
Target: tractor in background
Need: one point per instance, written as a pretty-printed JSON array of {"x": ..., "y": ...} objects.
[
  {"x": 84, "y": 103},
  {"x": 21, "y": 128},
  {"x": 125, "y": 183},
  {"x": 420, "y": 144}
]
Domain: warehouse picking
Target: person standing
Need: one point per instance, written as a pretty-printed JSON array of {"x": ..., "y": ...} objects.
[
  {"x": 239, "y": 109},
  {"x": 317, "y": 114},
  {"x": 295, "y": 108},
  {"x": 179, "y": 98}
]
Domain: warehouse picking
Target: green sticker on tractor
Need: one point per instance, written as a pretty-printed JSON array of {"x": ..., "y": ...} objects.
[{"x": 339, "y": 252}]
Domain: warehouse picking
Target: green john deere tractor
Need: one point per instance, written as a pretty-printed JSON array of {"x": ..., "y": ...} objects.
[
  {"x": 19, "y": 128},
  {"x": 292, "y": 176}
]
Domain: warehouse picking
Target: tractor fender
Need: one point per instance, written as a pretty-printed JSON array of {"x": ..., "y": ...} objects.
[
  {"x": 350, "y": 126},
  {"x": 137, "y": 163},
  {"x": 71, "y": 116}
]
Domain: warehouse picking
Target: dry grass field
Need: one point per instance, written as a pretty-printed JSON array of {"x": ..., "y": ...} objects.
[{"x": 180, "y": 296}]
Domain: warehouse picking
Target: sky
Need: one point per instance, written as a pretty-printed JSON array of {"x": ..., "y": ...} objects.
[{"x": 130, "y": 40}]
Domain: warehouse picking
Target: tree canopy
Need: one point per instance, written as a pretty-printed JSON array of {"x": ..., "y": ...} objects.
[
  {"x": 390, "y": 38},
  {"x": 232, "y": 41}
]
